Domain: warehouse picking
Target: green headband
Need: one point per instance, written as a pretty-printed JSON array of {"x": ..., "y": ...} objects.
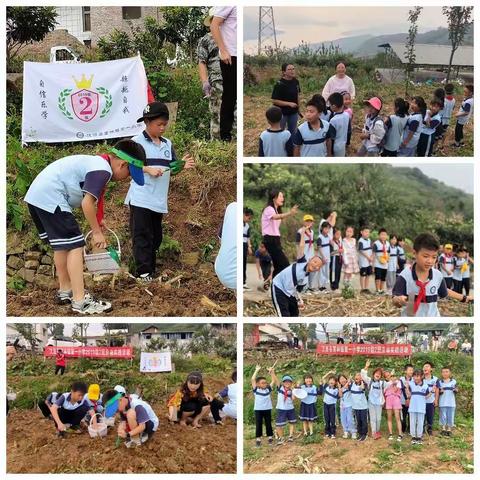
[
  {"x": 118, "y": 396},
  {"x": 125, "y": 156}
]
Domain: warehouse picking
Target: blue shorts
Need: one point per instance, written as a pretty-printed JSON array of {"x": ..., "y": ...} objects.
[
  {"x": 285, "y": 416},
  {"x": 59, "y": 229}
]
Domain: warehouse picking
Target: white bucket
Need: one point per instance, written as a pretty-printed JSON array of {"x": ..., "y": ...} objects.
[
  {"x": 102, "y": 262},
  {"x": 98, "y": 430}
]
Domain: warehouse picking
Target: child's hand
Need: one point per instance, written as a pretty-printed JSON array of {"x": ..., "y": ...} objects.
[
  {"x": 400, "y": 301},
  {"x": 367, "y": 364},
  {"x": 99, "y": 239},
  {"x": 294, "y": 209},
  {"x": 260, "y": 276},
  {"x": 153, "y": 172},
  {"x": 61, "y": 427},
  {"x": 301, "y": 305},
  {"x": 208, "y": 397},
  {"x": 189, "y": 161},
  {"x": 257, "y": 368}
]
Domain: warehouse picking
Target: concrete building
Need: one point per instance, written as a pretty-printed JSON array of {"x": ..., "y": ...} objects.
[
  {"x": 88, "y": 24},
  {"x": 41, "y": 335}
]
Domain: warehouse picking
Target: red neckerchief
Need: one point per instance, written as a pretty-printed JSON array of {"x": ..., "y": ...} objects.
[
  {"x": 285, "y": 394},
  {"x": 449, "y": 97},
  {"x": 101, "y": 199},
  {"x": 310, "y": 238},
  {"x": 384, "y": 247},
  {"x": 422, "y": 293}
]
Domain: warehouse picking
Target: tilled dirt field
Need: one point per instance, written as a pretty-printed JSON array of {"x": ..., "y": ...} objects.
[
  {"x": 197, "y": 204},
  {"x": 32, "y": 447},
  {"x": 130, "y": 299}
]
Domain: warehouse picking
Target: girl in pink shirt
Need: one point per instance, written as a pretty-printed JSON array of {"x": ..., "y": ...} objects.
[
  {"x": 393, "y": 405},
  {"x": 271, "y": 219}
]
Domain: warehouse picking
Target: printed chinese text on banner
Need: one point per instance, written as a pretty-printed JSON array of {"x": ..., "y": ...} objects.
[{"x": 83, "y": 101}]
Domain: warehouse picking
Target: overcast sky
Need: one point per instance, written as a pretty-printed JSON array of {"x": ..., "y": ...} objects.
[
  {"x": 324, "y": 24},
  {"x": 458, "y": 175}
]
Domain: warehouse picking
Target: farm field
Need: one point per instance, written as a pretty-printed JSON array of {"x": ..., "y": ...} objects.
[
  {"x": 197, "y": 204},
  {"x": 257, "y": 100},
  {"x": 33, "y": 447},
  {"x": 323, "y": 455}
]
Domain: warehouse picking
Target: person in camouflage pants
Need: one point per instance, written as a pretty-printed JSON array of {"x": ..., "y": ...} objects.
[{"x": 211, "y": 77}]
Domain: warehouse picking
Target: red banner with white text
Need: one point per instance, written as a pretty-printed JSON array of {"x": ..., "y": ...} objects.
[
  {"x": 91, "y": 352},
  {"x": 370, "y": 349}
]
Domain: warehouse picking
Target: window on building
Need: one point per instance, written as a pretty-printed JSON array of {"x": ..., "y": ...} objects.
[
  {"x": 131, "y": 13},
  {"x": 87, "y": 26}
]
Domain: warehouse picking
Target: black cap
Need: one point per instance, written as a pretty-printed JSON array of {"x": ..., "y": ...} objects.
[{"x": 154, "y": 110}]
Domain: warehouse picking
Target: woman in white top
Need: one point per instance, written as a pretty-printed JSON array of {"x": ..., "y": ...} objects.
[{"x": 340, "y": 82}]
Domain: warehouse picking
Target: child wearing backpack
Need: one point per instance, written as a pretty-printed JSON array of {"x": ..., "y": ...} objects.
[
  {"x": 395, "y": 125},
  {"x": 376, "y": 398},
  {"x": 373, "y": 132}
]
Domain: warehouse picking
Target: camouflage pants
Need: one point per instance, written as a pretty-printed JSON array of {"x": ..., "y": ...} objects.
[{"x": 214, "y": 105}]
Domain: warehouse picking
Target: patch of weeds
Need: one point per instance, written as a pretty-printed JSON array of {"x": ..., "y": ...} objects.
[
  {"x": 17, "y": 284},
  {"x": 445, "y": 457}
]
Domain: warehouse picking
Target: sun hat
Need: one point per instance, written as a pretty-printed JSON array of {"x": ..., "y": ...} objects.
[
  {"x": 375, "y": 102},
  {"x": 94, "y": 392},
  {"x": 287, "y": 378},
  {"x": 208, "y": 19},
  {"x": 308, "y": 218},
  {"x": 448, "y": 246}
]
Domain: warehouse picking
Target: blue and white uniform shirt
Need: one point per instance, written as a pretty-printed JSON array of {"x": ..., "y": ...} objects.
[
  {"x": 263, "y": 398},
  {"x": 447, "y": 393},
  {"x": 153, "y": 195},
  {"x": 284, "y": 399},
  {"x": 436, "y": 288},
  {"x": 311, "y": 141}
]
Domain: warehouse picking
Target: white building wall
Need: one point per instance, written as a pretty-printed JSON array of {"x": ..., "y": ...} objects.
[{"x": 71, "y": 19}]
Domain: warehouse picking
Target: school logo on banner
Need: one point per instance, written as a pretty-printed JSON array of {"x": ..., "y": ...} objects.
[
  {"x": 76, "y": 102},
  {"x": 84, "y": 102}
]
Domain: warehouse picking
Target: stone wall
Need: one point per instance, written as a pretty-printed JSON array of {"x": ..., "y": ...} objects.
[{"x": 30, "y": 265}]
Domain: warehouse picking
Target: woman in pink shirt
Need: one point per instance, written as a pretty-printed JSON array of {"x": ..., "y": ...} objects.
[
  {"x": 271, "y": 219},
  {"x": 340, "y": 82}
]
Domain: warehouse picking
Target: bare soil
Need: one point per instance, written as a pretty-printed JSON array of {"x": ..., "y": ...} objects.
[
  {"x": 32, "y": 447},
  {"x": 436, "y": 455}
]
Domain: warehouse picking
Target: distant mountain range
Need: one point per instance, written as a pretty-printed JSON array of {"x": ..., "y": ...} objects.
[{"x": 367, "y": 45}]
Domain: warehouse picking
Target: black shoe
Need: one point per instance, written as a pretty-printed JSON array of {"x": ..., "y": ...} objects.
[{"x": 258, "y": 443}]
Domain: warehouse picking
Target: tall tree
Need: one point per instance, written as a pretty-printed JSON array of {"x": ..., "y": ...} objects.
[
  {"x": 459, "y": 22},
  {"x": 27, "y": 25},
  {"x": 80, "y": 331},
  {"x": 55, "y": 329},
  {"x": 409, "y": 54}
]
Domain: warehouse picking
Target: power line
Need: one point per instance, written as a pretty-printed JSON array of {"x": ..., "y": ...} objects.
[{"x": 266, "y": 28}]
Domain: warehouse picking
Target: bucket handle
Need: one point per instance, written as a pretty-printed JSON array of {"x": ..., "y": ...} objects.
[
  {"x": 113, "y": 233},
  {"x": 93, "y": 416}
]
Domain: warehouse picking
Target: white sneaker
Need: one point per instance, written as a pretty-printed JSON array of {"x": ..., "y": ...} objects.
[
  {"x": 145, "y": 278},
  {"x": 90, "y": 306},
  {"x": 246, "y": 288},
  {"x": 133, "y": 443},
  {"x": 354, "y": 436},
  {"x": 345, "y": 435}
]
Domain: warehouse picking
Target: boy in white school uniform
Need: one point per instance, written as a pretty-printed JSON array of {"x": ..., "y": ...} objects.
[{"x": 72, "y": 182}]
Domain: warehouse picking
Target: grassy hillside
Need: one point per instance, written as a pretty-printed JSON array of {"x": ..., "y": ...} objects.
[{"x": 402, "y": 200}]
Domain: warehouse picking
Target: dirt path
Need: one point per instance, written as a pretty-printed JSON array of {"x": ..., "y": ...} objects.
[
  {"x": 32, "y": 447},
  {"x": 436, "y": 455}
]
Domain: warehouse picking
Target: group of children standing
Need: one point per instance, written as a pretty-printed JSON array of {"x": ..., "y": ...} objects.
[
  {"x": 357, "y": 400},
  {"x": 412, "y": 130},
  {"x": 322, "y": 259}
]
